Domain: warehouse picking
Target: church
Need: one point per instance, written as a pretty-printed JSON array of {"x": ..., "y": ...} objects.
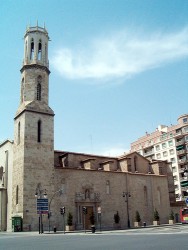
[{"x": 31, "y": 171}]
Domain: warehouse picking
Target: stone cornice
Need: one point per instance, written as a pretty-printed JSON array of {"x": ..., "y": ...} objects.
[
  {"x": 33, "y": 111},
  {"x": 36, "y": 66}
]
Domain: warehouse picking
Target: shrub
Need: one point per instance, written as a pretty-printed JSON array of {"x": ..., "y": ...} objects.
[
  {"x": 156, "y": 215},
  {"x": 69, "y": 219},
  {"x": 171, "y": 215},
  {"x": 137, "y": 217}
]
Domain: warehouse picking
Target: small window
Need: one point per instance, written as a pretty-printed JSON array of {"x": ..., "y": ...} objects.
[
  {"x": 39, "y": 131},
  {"x": 107, "y": 187},
  {"x": 158, "y": 156},
  {"x": 163, "y": 145},
  {"x": 185, "y": 120},
  {"x": 39, "y": 88},
  {"x": 157, "y": 147},
  {"x": 19, "y": 133},
  {"x": 170, "y": 143},
  {"x": 165, "y": 154},
  {"x": 171, "y": 151},
  {"x": 172, "y": 159},
  {"x": 17, "y": 194}
]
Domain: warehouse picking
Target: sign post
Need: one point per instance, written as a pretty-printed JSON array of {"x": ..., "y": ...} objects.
[
  {"x": 99, "y": 214},
  {"x": 42, "y": 208}
]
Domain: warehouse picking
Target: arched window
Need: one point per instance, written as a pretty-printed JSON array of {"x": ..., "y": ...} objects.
[
  {"x": 107, "y": 187},
  {"x": 39, "y": 50},
  {"x": 46, "y": 53},
  {"x": 19, "y": 133},
  {"x": 17, "y": 193},
  {"x": 22, "y": 90},
  {"x": 135, "y": 164},
  {"x": 39, "y": 80},
  {"x": 145, "y": 196},
  {"x": 39, "y": 92},
  {"x": 39, "y": 131},
  {"x": 32, "y": 50},
  {"x": 159, "y": 195},
  {"x": 26, "y": 50}
]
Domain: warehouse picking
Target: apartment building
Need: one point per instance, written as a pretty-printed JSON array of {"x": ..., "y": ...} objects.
[{"x": 169, "y": 143}]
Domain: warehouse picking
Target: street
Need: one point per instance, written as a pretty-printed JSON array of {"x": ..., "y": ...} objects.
[{"x": 167, "y": 238}]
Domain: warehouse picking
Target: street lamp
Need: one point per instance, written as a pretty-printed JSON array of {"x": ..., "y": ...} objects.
[
  {"x": 39, "y": 194},
  {"x": 49, "y": 212},
  {"x": 127, "y": 195}
]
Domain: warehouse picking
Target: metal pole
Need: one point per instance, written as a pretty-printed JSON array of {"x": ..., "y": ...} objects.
[
  {"x": 100, "y": 222},
  {"x": 85, "y": 223},
  {"x": 128, "y": 220},
  {"x": 39, "y": 224},
  {"x": 64, "y": 223}
]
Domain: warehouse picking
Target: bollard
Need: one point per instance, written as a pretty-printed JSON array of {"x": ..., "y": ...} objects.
[
  {"x": 54, "y": 229},
  {"x": 93, "y": 229},
  {"x": 144, "y": 223}
]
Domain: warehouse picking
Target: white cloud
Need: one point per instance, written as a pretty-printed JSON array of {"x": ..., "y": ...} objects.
[{"x": 122, "y": 54}]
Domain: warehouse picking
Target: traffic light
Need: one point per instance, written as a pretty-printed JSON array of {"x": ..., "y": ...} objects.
[
  {"x": 84, "y": 209},
  {"x": 62, "y": 210}
]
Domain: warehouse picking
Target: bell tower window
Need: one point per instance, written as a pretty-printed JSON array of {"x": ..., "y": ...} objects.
[
  {"x": 32, "y": 50},
  {"x": 39, "y": 50},
  {"x": 39, "y": 131}
]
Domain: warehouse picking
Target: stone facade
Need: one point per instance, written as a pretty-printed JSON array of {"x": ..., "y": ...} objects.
[{"x": 71, "y": 180}]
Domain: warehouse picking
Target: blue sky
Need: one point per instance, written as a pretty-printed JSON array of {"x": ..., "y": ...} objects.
[{"x": 119, "y": 68}]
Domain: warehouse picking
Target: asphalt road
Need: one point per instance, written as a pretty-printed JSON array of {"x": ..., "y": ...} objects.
[{"x": 169, "y": 238}]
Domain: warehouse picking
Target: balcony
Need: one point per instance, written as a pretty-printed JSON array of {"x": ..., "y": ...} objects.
[
  {"x": 182, "y": 161},
  {"x": 180, "y": 142},
  {"x": 151, "y": 152},
  {"x": 181, "y": 152}
]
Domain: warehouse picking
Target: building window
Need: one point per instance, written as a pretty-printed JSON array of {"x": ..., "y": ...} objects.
[
  {"x": 107, "y": 187},
  {"x": 17, "y": 193},
  {"x": 171, "y": 151},
  {"x": 159, "y": 195},
  {"x": 22, "y": 90},
  {"x": 157, "y": 147},
  {"x": 174, "y": 169},
  {"x": 158, "y": 156},
  {"x": 163, "y": 145},
  {"x": 185, "y": 120},
  {"x": 176, "y": 186},
  {"x": 39, "y": 80},
  {"x": 32, "y": 50},
  {"x": 135, "y": 163},
  {"x": 19, "y": 133},
  {"x": 186, "y": 129},
  {"x": 40, "y": 50},
  {"x": 170, "y": 143},
  {"x": 145, "y": 196},
  {"x": 165, "y": 154},
  {"x": 172, "y": 159},
  {"x": 186, "y": 138},
  {"x": 39, "y": 132}
]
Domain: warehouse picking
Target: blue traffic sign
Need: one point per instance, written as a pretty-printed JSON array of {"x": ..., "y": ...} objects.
[
  {"x": 42, "y": 206},
  {"x": 186, "y": 201}
]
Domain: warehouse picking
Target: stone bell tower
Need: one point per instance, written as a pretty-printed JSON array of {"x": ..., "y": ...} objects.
[{"x": 33, "y": 129}]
